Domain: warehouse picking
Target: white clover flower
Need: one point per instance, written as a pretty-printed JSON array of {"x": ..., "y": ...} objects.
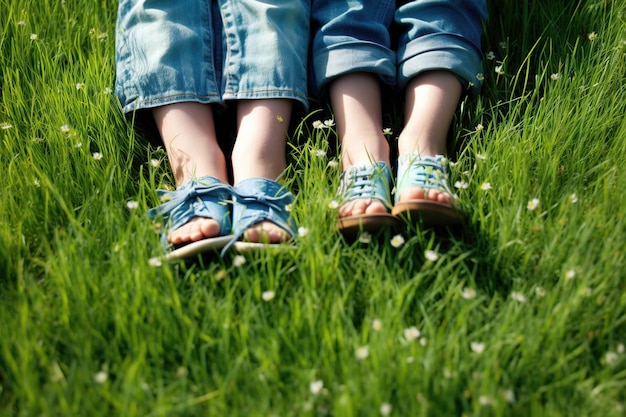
[
  {"x": 397, "y": 241},
  {"x": 334, "y": 204},
  {"x": 555, "y": 76},
  {"x": 411, "y": 333},
  {"x": 132, "y": 205},
  {"x": 468, "y": 293},
  {"x": 303, "y": 231},
  {"x": 154, "y": 262},
  {"x": 533, "y": 204},
  {"x": 518, "y": 296},
  {"x": 385, "y": 409},
  {"x": 491, "y": 55},
  {"x": 238, "y": 261},
  {"x": 268, "y": 295},
  {"x": 101, "y": 377},
  {"x": 431, "y": 255},
  {"x": 362, "y": 353},
  {"x": 365, "y": 238},
  {"x": 97, "y": 156},
  {"x": 477, "y": 347},
  {"x": 485, "y": 186},
  {"x": 316, "y": 387},
  {"x": 377, "y": 324}
]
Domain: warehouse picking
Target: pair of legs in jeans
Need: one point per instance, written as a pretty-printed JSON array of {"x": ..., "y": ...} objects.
[
  {"x": 179, "y": 59},
  {"x": 437, "y": 59}
]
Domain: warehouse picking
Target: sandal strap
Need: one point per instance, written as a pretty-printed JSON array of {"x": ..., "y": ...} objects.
[
  {"x": 200, "y": 197},
  {"x": 425, "y": 172},
  {"x": 366, "y": 182},
  {"x": 258, "y": 199}
]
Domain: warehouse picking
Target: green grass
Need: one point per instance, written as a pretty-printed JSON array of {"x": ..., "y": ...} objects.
[{"x": 80, "y": 300}]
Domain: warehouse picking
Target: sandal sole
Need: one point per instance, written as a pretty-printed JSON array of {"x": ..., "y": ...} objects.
[
  {"x": 432, "y": 214},
  {"x": 350, "y": 227},
  {"x": 197, "y": 248}
]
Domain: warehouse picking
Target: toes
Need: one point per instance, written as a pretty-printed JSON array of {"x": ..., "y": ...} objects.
[
  {"x": 196, "y": 229},
  {"x": 266, "y": 232},
  {"x": 362, "y": 206}
]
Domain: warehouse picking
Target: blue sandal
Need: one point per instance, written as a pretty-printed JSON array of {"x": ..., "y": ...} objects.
[
  {"x": 200, "y": 197},
  {"x": 258, "y": 199},
  {"x": 427, "y": 173},
  {"x": 367, "y": 182}
]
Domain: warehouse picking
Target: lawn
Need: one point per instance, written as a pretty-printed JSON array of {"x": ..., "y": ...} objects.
[{"x": 519, "y": 312}]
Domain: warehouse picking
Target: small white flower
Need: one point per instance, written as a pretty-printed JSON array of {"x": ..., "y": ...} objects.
[
  {"x": 509, "y": 396},
  {"x": 333, "y": 164},
  {"x": 21, "y": 23},
  {"x": 480, "y": 77},
  {"x": 592, "y": 36},
  {"x": 484, "y": 400},
  {"x": 238, "y": 261},
  {"x": 477, "y": 347},
  {"x": 571, "y": 274},
  {"x": 365, "y": 238},
  {"x": 411, "y": 333},
  {"x": 362, "y": 353},
  {"x": 37, "y": 183},
  {"x": 410, "y": 359},
  {"x": 155, "y": 163},
  {"x": 101, "y": 377},
  {"x": 485, "y": 186},
  {"x": 333, "y": 205},
  {"x": 491, "y": 55},
  {"x": 431, "y": 255},
  {"x": 498, "y": 69},
  {"x": 108, "y": 90},
  {"x": 268, "y": 295},
  {"x": 423, "y": 341},
  {"x": 540, "y": 292},
  {"x": 573, "y": 198},
  {"x": 620, "y": 348},
  {"x": 318, "y": 124},
  {"x": 155, "y": 262},
  {"x": 611, "y": 358},
  {"x": 377, "y": 324},
  {"x": 316, "y": 387},
  {"x": 78, "y": 145},
  {"x": 468, "y": 293},
  {"x": 397, "y": 241},
  {"x": 65, "y": 128},
  {"x": 79, "y": 86},
  {"x": 5, "y": 126},
  {"x": 555, "y": 76},
  {"x": 532, "y": 204},
  {"x": 319, "y": 153},
  {"x": 97, "y": 156},
  {"x": 329, "y": 123},
  {"x": 481, "y": 156},
  {"x": 288, "y": 208},
  {"x": 303, "y": 231},
  {"x": 461, "y": 185},
  {"x": 387, "y": 131},
  {"x": 33, "y": 36},
  {"x": 132, "y": 205},
  {"x": 385, "y": 409},
  {"x": 479, "y": 127},
  {"x": 518, "y": 296}
]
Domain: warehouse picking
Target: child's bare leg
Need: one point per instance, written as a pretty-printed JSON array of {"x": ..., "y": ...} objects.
[
  {"x": 431, "y": 100},
  {"x": 188, "y": 132},
  {"x": 259, "y": 151},
  {"x": 356, "y": 102}
]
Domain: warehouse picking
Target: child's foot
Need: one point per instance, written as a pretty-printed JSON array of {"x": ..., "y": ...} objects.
[{"x": 196, "y": 229}]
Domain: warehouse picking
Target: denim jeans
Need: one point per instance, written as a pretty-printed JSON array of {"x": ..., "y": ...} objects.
[
  {"x": 210, "y": 51},
  {"x": 433, "y": 35}
]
